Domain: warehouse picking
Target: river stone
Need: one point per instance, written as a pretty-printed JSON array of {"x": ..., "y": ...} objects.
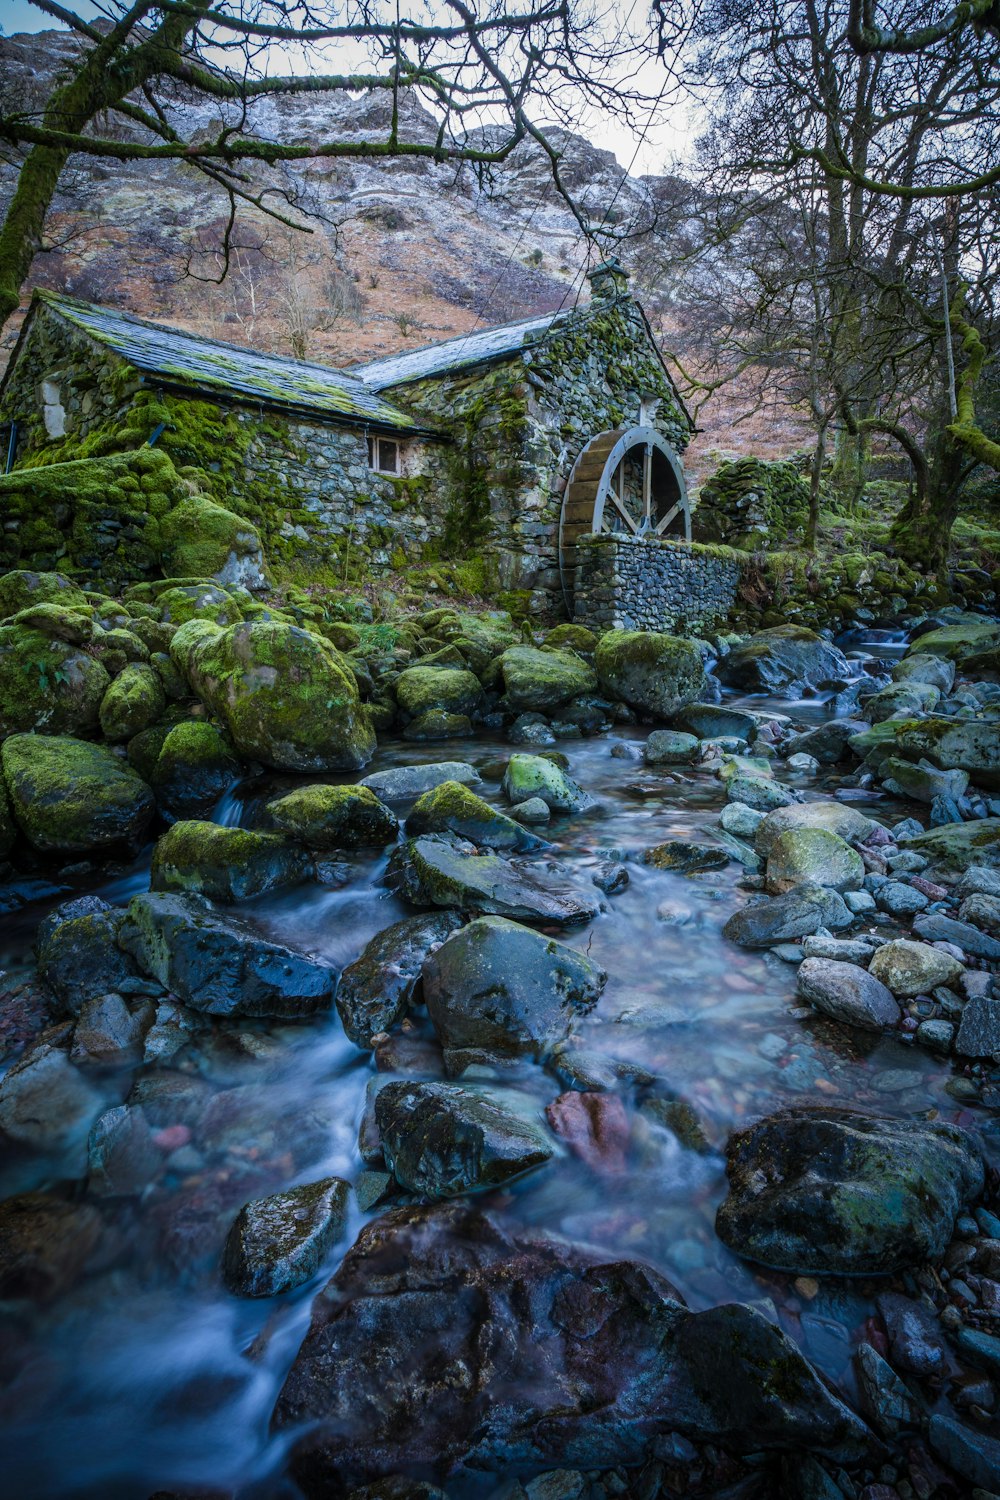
[
  {"x": 738, "y": 819},
  {"x": 122, "y": 1159},
  {"x": 971, "y": 745},
  {"x": 910, "y": 968},
  {"x": 919, "y": 666},
  {"x": 833, "y": 1191},
  {"x": 108, "y": 1034},
  {"x": 542, "y": 680},
  {"x": 847, "y": 993},
  {"x": 530, "y": 776},
  {"x": 334, "y": 817},
  {"x": 378, "y": 989},
  {"x": 194, "y": 767},
  {"x": 922, "y": 782},
  {"x": 46, "y": 1244},
  {"x": 899, "y": 899},
  {"x": 915, "y": 1338},
  {"x": 686, "y": 856},
  {"x": 440, "y": 1139},
  {"x": 432, "y": 872},
  {"x": 935, "y": 927},
  {"x": 799, "y": 913},
  {"x": 499, "y": 986},
  {"x": 974, "y": 1455},
  {"x": 655, "y": 673},
  {"x": 979, "y": 1032},
  {"x": 901, "y": 700},
  {"x": 812, "y": 856},
  {"x": 759, "y": 793},
  {"x": 78, "y": 953},
  {"x": 966, "y": 636},
  {"x": 533, "y": 812},
  {"x": 476, "y": 1349},
  {"x": 277, "y": 1244},
  {"x": 709, "y": 721},
  {"x": 48, "y": 1104},
  {"x": 833, "y": 817},
  {"x": 403, "y": 783},
  {"x": 668, "y": 747},
  {"x": 453, "y": 808},
  {"x": 955, "y": 847},
  {"x": 827, "y": 743},
  {"x": 225, "y": 864},
  {"x": 71, "y": 797},
  {"x": 982, "y": 911},
  {"x": 219, "y": 965},
  {"x": 786, "y": 656},
  {"x": 287, "y": 697},
  {"x": 421, "y": 690}
]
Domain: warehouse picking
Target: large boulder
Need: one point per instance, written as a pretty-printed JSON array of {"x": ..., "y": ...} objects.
[
  {"x": 194, "y": 766},
  {"x": 971, "y": 745},
  {"x": 377, "y": 989},
  {"x": 219, "y": 965},
  {"x": 541, "y": 680},
  {"x": 134, "y": 700},
  {"x": 225, "y": 864},
  {"x": 199, "y": 539},
  {"x": 47, "y": 684},
  {"x": 334, "y": 817},
  {"x": 433, "y": 871},
  {"x": 837, "y": 1192},
  {"x": 499, "y": 986},
  {"x": 786, "y": 656},
  {"x": 474, "y": 1349},
  {"x": 812, "y": 856},
  {"x": 959, "y": 640},
  {"x": 287, "y": 697},
  {"x": 71, "y": 797},
  {"x": 655, "y": 673},
  {"x": 278, "y": 1243},
  {"x": 78, "y": 953},
  {"x": 453, "y": 808},
  {"x": 832, "y": 817},
  {"x": 848, "y": 993},
  {"x": 798, "y": 913},
  {"x": 22, "y": 588},
  {"x": 421, "y": 690},
  {"x": 440, "y": 1139}
]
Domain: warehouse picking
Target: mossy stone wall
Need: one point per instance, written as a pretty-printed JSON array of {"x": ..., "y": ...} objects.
[{"x": 650, "y": 583}]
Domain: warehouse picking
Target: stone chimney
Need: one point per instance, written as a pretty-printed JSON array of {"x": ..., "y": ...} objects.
[{"x": 608, "y": 281}]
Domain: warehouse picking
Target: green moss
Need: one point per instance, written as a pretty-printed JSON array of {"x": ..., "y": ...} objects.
[
  {"x": 72, "y": 797},
  {"x": 454, "y": 808},
  {"x": 224, "y": 864},
  {"x": 133, "y": 701},
  {"x": 334, "y": 817}
]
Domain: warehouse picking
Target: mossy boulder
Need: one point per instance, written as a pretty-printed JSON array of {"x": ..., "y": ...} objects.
[
  {"x": 971, "y": 745},
  {"x": 8, "y": 828},
  {"x": 967, "y": 637},
  {"x": 453, "y": 808},
  {"x": 480, "y": 638},
  {"x": 438, "y": 724},
  {"x": 286, "y": 696},
  {"x": 225, "y": 864},
  {"x": 787, "y": 656},
  {"x": 47, "y": 685},
  {"x": 420, "y": 690},
  {"x": 25, "y": 589},
  {"x": 541, "y": 680},
  {"x": 198, "y": 601},
  {"x": 334, "y": 817},
  {"x": 654, "y": 673},
  {"x": 133, "y": 701},
  {"x": 194, "y": 766},
  {"x": 530, "y": 776},
  {"x": 200, "y": 538},
  {"x": 955, "y": 847},
  {"x": 573, "y": 638},
  {"x": 75, "y": 626},
  {"x": 813, "y": 856},
  {"x": 70, "y": 797},
  {"x": 920, "y": 666},
  {"x": 832, "y": 817},
  {"x": 901, "y": 700},
  {"x": 432, "y": 871}
]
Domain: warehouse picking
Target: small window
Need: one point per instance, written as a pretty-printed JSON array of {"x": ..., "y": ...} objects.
[{"x": 383, "y": 455}]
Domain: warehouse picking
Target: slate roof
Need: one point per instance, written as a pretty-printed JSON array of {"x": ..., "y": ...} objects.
[
  {"x": 190, "y": 362},
  {"x": 453, "y": 354}
]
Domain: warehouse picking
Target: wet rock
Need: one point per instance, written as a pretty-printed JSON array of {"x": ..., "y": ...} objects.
[
  {"x": 936, "y": 928},
  {"x": 78, "y": 953},
  {"x": 884, "y": 1397},
  {"x": 668, "y": 747},
  {"x": 225, "y": 864},
  {"x": 759, "y": 793},
  {"x": 595, "y": 1126},
  {"x": 441, "y": 1139},
  {"x": 217, "y": 964},
  {"x": 837, "y": 1192},
  {"x": 799, "y": 913},
  {"x": 46, "y": 1103},
  {"x": 279, "y": 1243},
  {"x": 453, "y": 808},
  {"x": 738, "y": 819},
  {"x": 979, "y": 1029},
  {"x": 334, "y": 817},
  {"x": 830, "y": 817},
  {"x": 132, "y": 702},
  {"x": 847, "y": 993},
  {"x": 974, "y": 1455},
  {"x": 899, "y": 900},
  {"x": 813, "y": 857},
  {"x": 709, "y": 721},
  {"x": 70, "y": 797},
  {"x": 654, "y": 673},
  {"x": 46, "y": 1244},
  {"x": 953, "y": 848},
  {"x": 982, "y": 911},
  {"x": 195, "y": 765},
  {"x": 431, "y": 872},
  {"x": 437, "y": 1315},
  {"x": 46, "y": 684},
  {"x": 921, "y": 667},
  {"x": 686, "y": 856},
  {"x": 936, "y": 1036},
  {"x": 970, "y": 745},
  {"x": 287, "y": 697},
  {"x": 544, "y": 679},
  {"x": 108, "y": 1034},
  {"x": 378, "y": 989},
  {"x": 438, "y": 724},
  {"x": 923, "y": 783},
  {"x": 910, "y": 968},
  {"x": 122, "y": 1158},
  {"x": 500, "y": 986},
  {"x": 827, "y": 743},
  {"x": 529, "y": 776},
  {"x": 916, "y": 1343},
  {"x": 845, "y": 950},
  {"x": 420, "y": 690},
  {"x": 533, "y": 812},
  {"x": 403, "y": 783},
  {"x": 776, "y": 659}
]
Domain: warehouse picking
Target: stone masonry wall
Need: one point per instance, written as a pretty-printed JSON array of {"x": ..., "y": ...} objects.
[{"x": 641, "y": 583}]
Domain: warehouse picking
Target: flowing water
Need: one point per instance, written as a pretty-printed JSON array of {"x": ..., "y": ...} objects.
[{"x": 150, "y": 1376}]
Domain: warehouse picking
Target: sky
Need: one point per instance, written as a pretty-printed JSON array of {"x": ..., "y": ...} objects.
[{"x": 662, "y": 135}]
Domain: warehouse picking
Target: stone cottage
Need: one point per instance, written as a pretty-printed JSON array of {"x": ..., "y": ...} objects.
[{"x": 509, "y": 445}]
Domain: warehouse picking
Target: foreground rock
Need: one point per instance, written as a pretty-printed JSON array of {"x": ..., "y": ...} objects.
[
  {"x": 476, "y": 1351},
  {"x": 812, "y": 856},
  {"x": 838, "y": 1192},
  {"x": 827, "y": 817},
  {"x": 799, "y": 913},
  {"x": 440, "y": 1139},
  {"x": 278, "y": 1243},
  {"x": 786, "y": 656},
  {"x": 654, "y": 673},
  {"x": 47, "y": 685},
  {"x": 225, "y": 864},
  {"x": 499, "y": 987},
  {"x": 378, "y": 989},
  {"x": 70, "y": 797},
  {"x": 453, "y": 808},
  {"x": 287, "y": 697},
  {"x": 334, "y": 817},
  {"x": 848, "y": 993},
  {"x": 78, "y": 953},
  {"x": 909, "y": 968},
  {"x": 543, "y": 680},
  {"x": 218, "y": 965},
  {"x": 432, "y": 872}
]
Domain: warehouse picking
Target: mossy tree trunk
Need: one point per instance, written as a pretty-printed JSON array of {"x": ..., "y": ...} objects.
[{"x": 921, "y": 532}]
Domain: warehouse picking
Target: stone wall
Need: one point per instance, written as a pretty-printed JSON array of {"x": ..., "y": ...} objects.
[{"x": 643, "y": 583}]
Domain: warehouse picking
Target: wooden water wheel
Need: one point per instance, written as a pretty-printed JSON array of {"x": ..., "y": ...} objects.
[{"x": 627, "y": 481}]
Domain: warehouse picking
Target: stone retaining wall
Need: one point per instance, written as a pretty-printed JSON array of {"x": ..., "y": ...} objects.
[{"x": 644, "y": 583}]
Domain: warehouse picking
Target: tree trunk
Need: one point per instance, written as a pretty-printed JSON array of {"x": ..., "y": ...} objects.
[
  {"x": 815, "y": 488},
  {"x": 24, "y": 224},
  {"x": 921, "y": 532}
]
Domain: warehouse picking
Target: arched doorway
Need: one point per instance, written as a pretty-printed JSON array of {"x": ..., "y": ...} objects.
[{"x": 629, "y": 481}]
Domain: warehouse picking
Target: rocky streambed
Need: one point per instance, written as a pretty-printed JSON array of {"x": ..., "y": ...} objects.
[{"x": 577, "y": 1116}]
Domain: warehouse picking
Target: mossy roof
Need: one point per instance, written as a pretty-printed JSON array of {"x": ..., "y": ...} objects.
[
  {"x": 191, "y": 362},
  {"x": 466, "y": 350}
]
